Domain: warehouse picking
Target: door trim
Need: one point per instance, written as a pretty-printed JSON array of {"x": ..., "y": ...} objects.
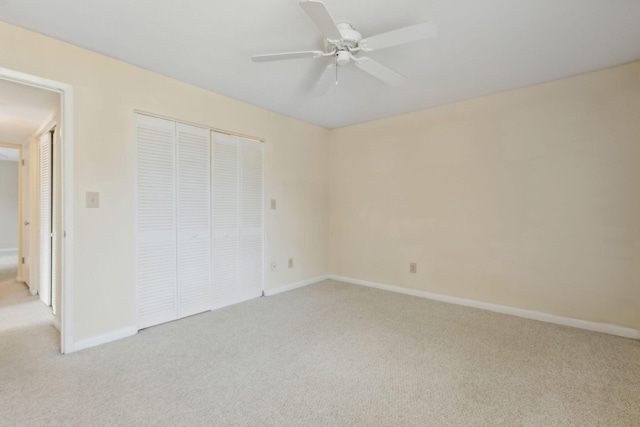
[{"x": 66, "y": 195}]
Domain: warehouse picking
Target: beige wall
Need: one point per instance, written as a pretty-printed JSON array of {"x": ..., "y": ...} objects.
[
  {"x": 106, "y": 92},
  {"x": 529, "y": 198},
  {"x": 8, "y": 204}
]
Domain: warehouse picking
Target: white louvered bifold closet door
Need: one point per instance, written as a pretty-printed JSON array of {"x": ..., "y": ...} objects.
[
  {"x": 156, "y": 274},
  {"x": 252, "y": 202},
  {"x": 226, "y": 219},
  {"x": 237, "y": 219},
  {"x": 194, "y": 216},
  {"x": 44, "y": 217}
]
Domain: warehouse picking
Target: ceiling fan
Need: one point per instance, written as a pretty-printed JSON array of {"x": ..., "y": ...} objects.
[{"x": 344, "y": 43}]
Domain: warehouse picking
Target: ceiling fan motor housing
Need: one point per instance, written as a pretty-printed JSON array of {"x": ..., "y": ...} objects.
[{"x": 350, "y": 39}]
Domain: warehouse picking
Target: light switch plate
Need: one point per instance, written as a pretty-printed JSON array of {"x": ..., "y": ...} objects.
[
  {"x": 273, "y": 203},
  {"x": 413, "y": 268},
  {"x": 93, "y": 199}
]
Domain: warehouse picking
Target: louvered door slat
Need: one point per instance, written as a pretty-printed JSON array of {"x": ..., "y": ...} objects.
[
  {"x": 155, "y": 221},
  {"x": 194, "y": 243}
]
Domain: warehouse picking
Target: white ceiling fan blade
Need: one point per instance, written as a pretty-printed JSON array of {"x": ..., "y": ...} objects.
[
  {"x": 400, "y": 36},
  {"x": 320, "y": 16},
  {"x": 380, "y": 71},
  {"x": 327, "y": 78},
  {"x": 287, "y": 55}
]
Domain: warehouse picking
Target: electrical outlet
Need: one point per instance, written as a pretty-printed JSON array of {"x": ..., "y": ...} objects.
[
  {"x": 413, "y": 268},
  {"x": 274, "y": 267},
  {"x": 290, "y": 262}
]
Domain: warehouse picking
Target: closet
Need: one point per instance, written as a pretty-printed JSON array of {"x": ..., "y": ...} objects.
[{"x": 199, "y": 219}]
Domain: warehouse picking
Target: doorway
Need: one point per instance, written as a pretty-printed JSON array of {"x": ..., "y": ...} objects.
[
  {"x": 34, "y": 114},
  {"x": 23, "y": 316}
]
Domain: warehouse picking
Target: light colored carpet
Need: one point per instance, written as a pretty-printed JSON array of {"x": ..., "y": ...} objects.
[
  {"x": 18, "y": 309},
  {"x": 26, "y": 323},
  {"x": 329, "y": 354}
]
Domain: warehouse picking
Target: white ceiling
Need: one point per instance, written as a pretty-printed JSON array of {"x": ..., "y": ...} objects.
[
  {"x": 23, "y": 109},
  {"x": 483, "y": 46}
]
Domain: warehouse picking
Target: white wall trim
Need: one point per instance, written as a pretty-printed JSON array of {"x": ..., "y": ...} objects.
[
  {"x": 9, "y": 251},
  {"x": 519, "y": 312},
  {"x": 236, "y": 299},
  {"x": 296, "y": 285},
  {"x": 66, "y": 194},
  {"x": 105, "y": 338}
]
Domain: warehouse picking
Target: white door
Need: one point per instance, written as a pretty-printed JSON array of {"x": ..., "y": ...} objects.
[
  {"x": 44, "y": 217},
  {"x": 54, "y": 238},
  {"x": 173, "y": 247},
  {"x": 237, "y": 209},
  {"x": 194, "y": 230},
  {"x": 156, "y": 274},
  {"x": 26, "y": 216},
  {"x": 251, "y": 224},
  {"x": 226, "y": 219}
]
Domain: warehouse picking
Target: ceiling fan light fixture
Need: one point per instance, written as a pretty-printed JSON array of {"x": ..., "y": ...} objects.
[{"x": 342, "y": 57}]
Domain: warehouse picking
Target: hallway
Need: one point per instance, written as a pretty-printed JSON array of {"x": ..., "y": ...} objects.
[{"x": 24, "y": 320}]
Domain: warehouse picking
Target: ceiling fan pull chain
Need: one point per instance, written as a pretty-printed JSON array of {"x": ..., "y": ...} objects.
[{"x": 336, "y": 69}]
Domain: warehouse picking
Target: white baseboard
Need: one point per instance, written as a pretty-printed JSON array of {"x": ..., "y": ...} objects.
[
  {"x": 237, "y": 299},
  {"x": 104, "y": 338},
  {"x": 519, "y": 312},
  {"x": 9, "y": 251},
  {"x": 292, "y": 286}
]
